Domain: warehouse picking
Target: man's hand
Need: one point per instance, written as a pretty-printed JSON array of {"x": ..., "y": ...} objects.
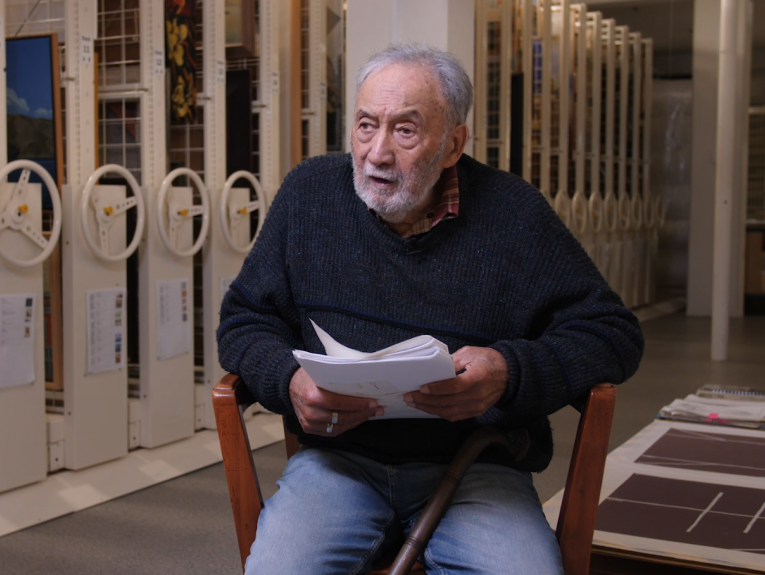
[
  {"x": 314, "y": 407},
  {"x": 471, "y": 393}
]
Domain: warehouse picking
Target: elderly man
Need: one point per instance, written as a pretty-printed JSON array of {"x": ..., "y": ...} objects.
[{"x": 409, "y": 236}]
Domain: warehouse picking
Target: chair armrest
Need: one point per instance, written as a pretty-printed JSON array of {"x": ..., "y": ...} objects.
[
  {"x": 579, "y": 509},
  {"x": 230, "y": 399},
  {"x": 428, "y": 521}
]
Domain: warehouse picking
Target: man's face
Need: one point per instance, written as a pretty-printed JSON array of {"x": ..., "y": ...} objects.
[{"x": 399, "y": 141}]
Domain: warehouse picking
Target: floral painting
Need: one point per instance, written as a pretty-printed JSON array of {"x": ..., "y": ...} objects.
[{"x": 180, "y": 20}]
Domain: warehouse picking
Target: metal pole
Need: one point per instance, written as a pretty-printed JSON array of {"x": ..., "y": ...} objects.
[{"x": 724, "y": 180}]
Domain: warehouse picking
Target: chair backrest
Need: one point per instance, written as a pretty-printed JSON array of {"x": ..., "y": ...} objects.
[
  {"x": 576, "y": 522},
  {"x": 230, "y": 399},
  {"x": 579, "y": 509}
]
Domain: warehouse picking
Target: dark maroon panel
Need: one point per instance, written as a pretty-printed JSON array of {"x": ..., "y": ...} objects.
[
  {"x": 711, "y": 515},
  {"x": 704, "y": 451}
]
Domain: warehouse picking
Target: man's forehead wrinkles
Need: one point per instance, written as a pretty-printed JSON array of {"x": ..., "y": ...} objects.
[{"x": 407, "y": 114}]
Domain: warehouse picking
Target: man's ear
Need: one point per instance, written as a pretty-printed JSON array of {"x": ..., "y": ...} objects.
[{"x": 457, "y": 141}]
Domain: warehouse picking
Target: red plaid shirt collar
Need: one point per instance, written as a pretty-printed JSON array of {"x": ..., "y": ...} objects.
[{"x": 448, "y": 206}]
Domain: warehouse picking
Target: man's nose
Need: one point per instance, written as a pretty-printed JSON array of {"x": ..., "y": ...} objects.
[{"x": 381, "y": 153}]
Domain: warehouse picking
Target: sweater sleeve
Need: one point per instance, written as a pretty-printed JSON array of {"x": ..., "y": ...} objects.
[
  {"x": 259, "y": 325},
  {"x": 582, "y": 332}
]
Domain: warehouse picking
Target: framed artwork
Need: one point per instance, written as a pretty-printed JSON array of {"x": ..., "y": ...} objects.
[
  {"x": 242, "y": 35},
  {"x": 180, "y": 40},
  {"x": 33, "y": 102},
  {"x": 34, "y": 132}
]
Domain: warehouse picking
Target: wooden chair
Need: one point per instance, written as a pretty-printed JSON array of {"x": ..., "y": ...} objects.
[{"x": 576, "y": 523}]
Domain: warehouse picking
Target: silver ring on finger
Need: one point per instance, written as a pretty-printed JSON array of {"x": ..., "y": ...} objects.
[
  {"x": 330, "y": 427},
  {"x": 335, "y": 417}
]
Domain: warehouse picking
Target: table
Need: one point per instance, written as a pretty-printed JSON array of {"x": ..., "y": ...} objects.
[{"x": 681, "y": 498}]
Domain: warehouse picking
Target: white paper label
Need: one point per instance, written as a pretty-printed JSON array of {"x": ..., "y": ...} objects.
[
  {"x": 158, "y": 59},
  {"x": 220, "y": 67},
  {"x": 86, "y": 49},
  {"x": 107, "y": 316},
  {"x": 17, "y": 339},
  {"x": 274, "y": 81},
  {"x": 173, "y": 312}
]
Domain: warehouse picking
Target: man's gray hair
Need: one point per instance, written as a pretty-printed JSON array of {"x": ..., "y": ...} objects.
[{"x": 455, "y": 84}]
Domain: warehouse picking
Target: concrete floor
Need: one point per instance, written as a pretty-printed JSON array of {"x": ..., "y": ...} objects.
[
  {"x": 184, "y": 526},
  {"x": 675, "y": 363}
]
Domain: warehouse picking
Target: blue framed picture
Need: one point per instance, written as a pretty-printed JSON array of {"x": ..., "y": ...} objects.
[{"x": 33, "y": 104}]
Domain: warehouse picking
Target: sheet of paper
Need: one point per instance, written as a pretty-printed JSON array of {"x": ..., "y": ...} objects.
[
  {"x": 384, "y": 375},
  {"x": 409, "y": 347},
  {"x": 107, "y": 316},
  {"x": 724, "y": 410},
  {"x": 17, "y": 339},
  {"x": 173, "y": 325}
]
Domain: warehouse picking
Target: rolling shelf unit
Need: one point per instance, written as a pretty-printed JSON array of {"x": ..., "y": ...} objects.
[{"x": 585, "y": 128}]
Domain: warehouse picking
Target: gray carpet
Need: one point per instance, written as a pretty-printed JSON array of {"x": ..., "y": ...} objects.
[{"x": 184, "y": 526}]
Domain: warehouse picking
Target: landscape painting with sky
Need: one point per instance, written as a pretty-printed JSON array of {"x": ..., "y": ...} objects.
[{"x": 29, "y": 104}]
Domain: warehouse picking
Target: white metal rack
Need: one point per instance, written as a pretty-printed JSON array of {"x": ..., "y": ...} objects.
[
  {"x": 25, "y": 17},
  {"x": 562, "y": 55},
  {"x": 23, "y": 436},
  {"x": 589, "y": 78},
  {"x": 494, "y": 59},
  {"x": 94, "y": 415},
  {"x": 164, "y": 410},
  {"x": 221, "y": 263},
  {"x": 594, "y": 122},
  {"x": 580, "y": 209},
  {"x": 23, "y": 445}
]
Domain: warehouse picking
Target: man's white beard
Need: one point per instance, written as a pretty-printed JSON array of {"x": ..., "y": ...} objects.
[{"x": 410, "y": 194}]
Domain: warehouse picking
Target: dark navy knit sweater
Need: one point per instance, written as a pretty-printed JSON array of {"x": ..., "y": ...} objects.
[{"x": 505, "y": 273}]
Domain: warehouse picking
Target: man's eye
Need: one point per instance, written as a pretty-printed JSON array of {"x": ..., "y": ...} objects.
[
  {"x": 406, "y": 131},
  {"x": 365, "y": 126}
]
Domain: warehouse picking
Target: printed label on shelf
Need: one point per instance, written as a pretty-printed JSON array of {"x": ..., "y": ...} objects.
[
  {"x": 173, "y": 324},
  {"x": 274, "y": 81},
  {"x": 17, "y": 339},
  {"x": 107, "y": 315},
  {"x": 86, "y": 49},
  {"x": 159, "y": 62}
]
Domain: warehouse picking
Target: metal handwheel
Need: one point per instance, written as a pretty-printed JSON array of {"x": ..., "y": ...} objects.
[
  {"x": 106, "y": 215},
  {"x": 15, "y": 217},
  {"x": 636, "y": 211},
  {"x": 579, "y": 212},
  {"x": 232, "y": 216},
  {"x": 562, "y": 207},
  {"x": 595, "y": 206},
  {"x": 178, "y": 212}
]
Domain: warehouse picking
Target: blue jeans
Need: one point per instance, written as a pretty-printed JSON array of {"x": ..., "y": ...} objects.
[{"x": 336, "y": 512}]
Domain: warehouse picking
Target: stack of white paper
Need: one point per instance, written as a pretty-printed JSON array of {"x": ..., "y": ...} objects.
[
  {"x": 384, "y": 375},
  {"x": 726, "y": 412}
]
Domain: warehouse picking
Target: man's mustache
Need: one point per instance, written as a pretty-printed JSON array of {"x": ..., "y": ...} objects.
[{"x": 389, "y": 175}]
